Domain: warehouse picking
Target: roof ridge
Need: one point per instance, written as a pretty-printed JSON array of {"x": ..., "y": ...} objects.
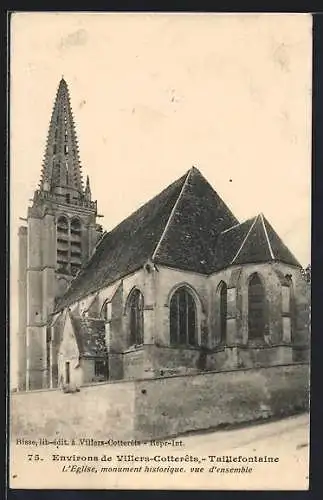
[
  {"x": 245, "y": 239},
  {"x": 267, "y": 237},
  {"x": 236, "y": 225},
  {"x": 282, "y": 252},
  {"x": 171, "y": 214}
]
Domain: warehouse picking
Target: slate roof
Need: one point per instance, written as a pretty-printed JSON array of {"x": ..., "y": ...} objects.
[
  {"x": 253, "y": 241},
  {"x": 90, "y": 336},
  {"x": 280, "y": 250},
  {"x": 229, "y": 243},
  {"x": 187, "y": 226},
  {"x": 256, "y": 247},
  {"x": 198, "y": 219}
]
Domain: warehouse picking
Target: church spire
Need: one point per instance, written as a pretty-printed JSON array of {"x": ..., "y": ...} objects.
[{"x": 61, "y": 165}]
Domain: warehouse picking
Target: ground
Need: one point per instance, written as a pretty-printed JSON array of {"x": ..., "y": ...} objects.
[
  {"x": 286, "y": 440},
  {"x": 289, "y": 433}
]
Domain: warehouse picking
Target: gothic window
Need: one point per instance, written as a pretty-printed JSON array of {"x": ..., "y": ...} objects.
[
  {"x": 256, "y": 308},
  {"x": 287, "y": 293},
  {"x": 183, "y": 318},
  {"x": 223, "y": 300},
  {"x": 136, "y": 317}
]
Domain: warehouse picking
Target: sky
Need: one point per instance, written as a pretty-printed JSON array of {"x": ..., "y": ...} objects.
[{"x": 153, "y": 95}]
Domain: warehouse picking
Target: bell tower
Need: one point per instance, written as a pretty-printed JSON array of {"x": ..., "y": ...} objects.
[{"x": 58, "y": 239}]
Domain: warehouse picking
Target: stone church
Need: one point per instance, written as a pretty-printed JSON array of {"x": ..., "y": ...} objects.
[{"x": 180, "y": 286}]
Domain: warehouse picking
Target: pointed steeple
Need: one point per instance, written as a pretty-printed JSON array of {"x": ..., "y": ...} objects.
[
  {"x": 88, "y": 189},
  {"x": 61, "y": 165}
]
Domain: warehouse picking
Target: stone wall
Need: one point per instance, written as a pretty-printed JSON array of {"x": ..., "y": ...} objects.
[
  {"x": 134, "y": 362},
  {"x": 168, "y": 360},
  {"x": 154, "y": 361},
  {"x": 169, "y": 406},
  {"x": 99, "y": 411},
  {"x": 156, "y": 408}
]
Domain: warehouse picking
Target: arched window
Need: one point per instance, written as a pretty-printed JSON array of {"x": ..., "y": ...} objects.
[
  {"x": 183, "y": 318},
  {"x": 223, "y": 300},
  {"x": 62, "y": 224},
  {"x": 75, "y": 226},
  {"x": 136, "y": 317},
  {"x": 287, "y": 295},
  {"x": 256, "y": 308}
]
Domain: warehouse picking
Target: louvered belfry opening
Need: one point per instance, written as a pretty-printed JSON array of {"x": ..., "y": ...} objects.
[
  {"x": 256, "y": 308},
  {"x": 183, "y": 318},
  {"x": 62, "y": 228},
  {"x": 76, "y": 246},
  {"x": 69, "y": 245}
]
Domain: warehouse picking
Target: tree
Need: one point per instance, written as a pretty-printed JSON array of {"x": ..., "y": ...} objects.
[{"x": 308, "y": 273}]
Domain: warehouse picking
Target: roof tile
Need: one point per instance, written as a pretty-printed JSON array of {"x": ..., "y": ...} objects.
[{"x": 187, "y": 226}]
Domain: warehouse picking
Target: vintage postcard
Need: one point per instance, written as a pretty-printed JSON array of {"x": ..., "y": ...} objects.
[{"x": 160, "y": 172}]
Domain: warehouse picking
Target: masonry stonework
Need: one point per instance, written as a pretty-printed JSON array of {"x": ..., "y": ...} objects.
[{"x": 156, "y": 408}]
